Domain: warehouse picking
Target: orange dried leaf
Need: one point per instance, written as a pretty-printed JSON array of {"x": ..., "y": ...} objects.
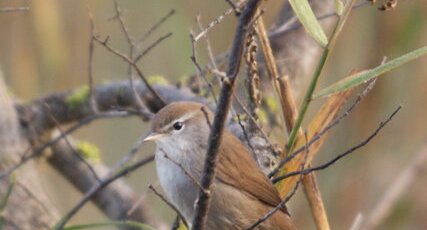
[{"x": 326, "y": 114}]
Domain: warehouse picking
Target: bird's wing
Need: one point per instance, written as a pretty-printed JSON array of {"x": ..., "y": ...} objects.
[{"x": 237, "y": 168}]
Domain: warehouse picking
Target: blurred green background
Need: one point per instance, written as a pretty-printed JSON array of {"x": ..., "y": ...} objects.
[{"x": 45, "y": 50}]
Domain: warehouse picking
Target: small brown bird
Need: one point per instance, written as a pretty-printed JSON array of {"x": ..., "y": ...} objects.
[{"x": 241, "y": 192}]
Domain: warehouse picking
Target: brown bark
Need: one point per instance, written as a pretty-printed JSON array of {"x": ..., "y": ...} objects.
[{"x": 27, "y": 207}]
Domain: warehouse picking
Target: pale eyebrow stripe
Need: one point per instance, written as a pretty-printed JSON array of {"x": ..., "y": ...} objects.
[{"x": 183, "y": 118}]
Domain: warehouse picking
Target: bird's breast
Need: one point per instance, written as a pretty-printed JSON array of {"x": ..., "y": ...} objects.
[{"x": 174, "y": 178}]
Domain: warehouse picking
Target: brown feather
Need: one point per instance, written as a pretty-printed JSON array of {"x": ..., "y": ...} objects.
[{"x": 250, "y": 180}]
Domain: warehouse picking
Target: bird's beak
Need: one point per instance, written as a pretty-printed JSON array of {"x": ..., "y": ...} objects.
[{"x": 153, "y": 136}]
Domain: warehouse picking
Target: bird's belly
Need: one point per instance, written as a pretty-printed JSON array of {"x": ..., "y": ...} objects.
[{"x": 178, "y": 187}]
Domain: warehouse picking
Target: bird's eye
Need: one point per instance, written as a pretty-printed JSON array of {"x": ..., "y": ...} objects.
[{"x": 178, "y": 125}]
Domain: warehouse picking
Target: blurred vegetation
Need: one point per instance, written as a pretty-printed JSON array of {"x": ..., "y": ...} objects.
[{"x": 45, "y": 50}]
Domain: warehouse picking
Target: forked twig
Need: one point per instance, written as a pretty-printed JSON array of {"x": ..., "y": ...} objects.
[
  {"x": 127, "y": 59},
  {"x": 341, "y": 155}
]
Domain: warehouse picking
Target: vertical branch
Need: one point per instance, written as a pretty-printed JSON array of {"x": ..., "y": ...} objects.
[
  {"x": 132, "y": 46},
  {"x": 289, "y": 111},
  {"x": 92, "y": 100},
  {"x": 203, "y": 200},
  {"x": 309, "y": 181},
  {"x": 253, "y": 77},
  {"x": 314, "y": 198},
  {"x": 287, "y": 100},
  {"x": 270, "y": 62}
]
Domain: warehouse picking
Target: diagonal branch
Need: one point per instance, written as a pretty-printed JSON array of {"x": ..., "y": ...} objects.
[
  {"x": 203, "y": 200},
  {"x": 97, "y": 187}
]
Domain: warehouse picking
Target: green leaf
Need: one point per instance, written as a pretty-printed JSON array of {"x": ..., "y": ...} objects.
[
  {"x": 367, "y": 75},
  {"x": 132, "y": 224},
  {"x": 307, "y": 18}
]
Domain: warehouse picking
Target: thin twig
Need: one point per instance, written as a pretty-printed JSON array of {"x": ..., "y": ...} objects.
[
  {"x": 245, "y": 133},
  {"x": 289, "y": 114},
  {"x": 203, "y": 200},
  {"x": 26, "y": 157},
  {"x": 31, "y": 194},
  {"x": 67, "y": 141},
  {"x": 199, "y": 69},
  {"x": 125, "y": 31},
  {"x": 317, "y": 137},
  {"x": 128, "y": 156},
  {"x": 208, "y": 44},
  {"x": 258, "y": 127},
  {"x": 150, "y": 47},
  {"x": 213, "y": 23},
  {"x": 92, "y": 101},
  {"x": 135, "y": 66},
  {"x": 123, "y": 26},
  {"x": 214, "y": 68},
  {"x": 99, "y": 186},
  {"x": 352, "y": 149},
  {"x": 192, "y": 178},
  {"x": 168, "y": 203},
  {"x": 132, "y": 46},
  {"x": 136, "y": 205},
  {"x": 155, "y": 26},
  {"x": 288, "y": 197},
  {"x": 233, "y": 6}
]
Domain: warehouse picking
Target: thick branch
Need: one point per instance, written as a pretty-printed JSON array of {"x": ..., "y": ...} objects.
[
  {"x": 202, "y": 205},
  {"x": 36, "y": 119}
]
